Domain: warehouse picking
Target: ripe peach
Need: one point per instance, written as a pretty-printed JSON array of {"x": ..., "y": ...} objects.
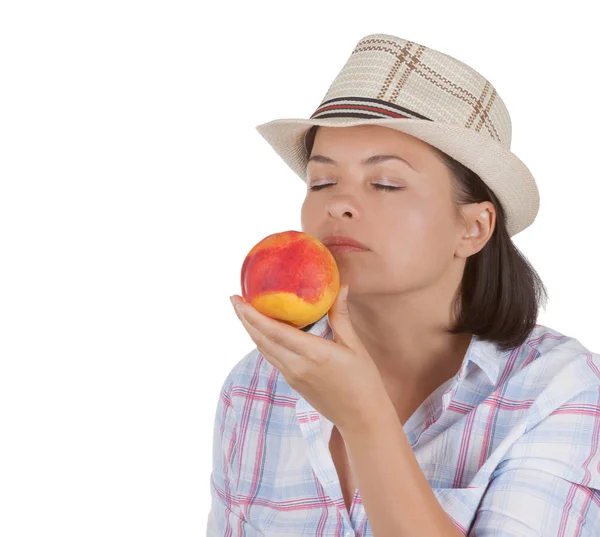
[{"x": 290, "y": 276}]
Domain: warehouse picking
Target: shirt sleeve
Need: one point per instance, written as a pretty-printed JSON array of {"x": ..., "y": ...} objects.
[
  {"x": 548, "y": 484},
  {"x": 225, "y": 517}
]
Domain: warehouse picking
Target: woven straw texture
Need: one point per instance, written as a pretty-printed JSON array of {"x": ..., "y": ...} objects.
[{"x": 399, "y": 84}]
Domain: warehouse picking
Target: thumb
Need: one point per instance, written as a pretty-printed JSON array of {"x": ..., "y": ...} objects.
[
  {"x": 339, "y": 319},
  {"x": 341, "y": 302}
]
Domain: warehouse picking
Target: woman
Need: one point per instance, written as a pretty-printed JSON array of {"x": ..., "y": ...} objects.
[{"x": 428, "y": 401}]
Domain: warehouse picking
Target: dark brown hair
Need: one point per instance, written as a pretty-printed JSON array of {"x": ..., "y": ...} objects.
[{"x": 500, "y": 293}]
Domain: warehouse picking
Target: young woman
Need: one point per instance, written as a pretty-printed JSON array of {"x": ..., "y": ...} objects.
[{"x": 427, "y": 402}]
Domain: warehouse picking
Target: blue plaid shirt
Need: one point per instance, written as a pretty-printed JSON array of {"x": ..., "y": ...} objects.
[{"x": 509, "y": 446}]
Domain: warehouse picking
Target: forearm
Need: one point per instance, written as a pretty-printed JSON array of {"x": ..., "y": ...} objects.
[{"x": 397, "y": 497}]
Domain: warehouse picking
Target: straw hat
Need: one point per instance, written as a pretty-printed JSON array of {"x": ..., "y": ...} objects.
[{"x": 408, "y": 87}]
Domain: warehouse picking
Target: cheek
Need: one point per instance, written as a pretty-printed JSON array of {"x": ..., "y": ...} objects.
[
  {"x": 308, "y": 216},
  {"x": 417, "y": 220},
  {"x": 429, "y": 218},
  {"x": 424, "y": 238}
]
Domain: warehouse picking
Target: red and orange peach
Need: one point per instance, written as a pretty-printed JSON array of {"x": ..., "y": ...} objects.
[{"x": 290, "y": 276}]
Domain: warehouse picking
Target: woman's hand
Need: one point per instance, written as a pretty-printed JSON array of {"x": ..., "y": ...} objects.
[{"x": 338, "y": 378}]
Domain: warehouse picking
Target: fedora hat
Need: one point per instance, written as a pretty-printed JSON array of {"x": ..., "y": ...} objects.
[{"x": 427, "y": 94}]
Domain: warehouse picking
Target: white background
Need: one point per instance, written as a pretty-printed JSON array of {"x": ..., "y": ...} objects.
[{"x": 133, "y": 183}]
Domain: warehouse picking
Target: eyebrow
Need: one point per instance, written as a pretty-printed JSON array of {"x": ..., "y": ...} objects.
[{"x": 375, "y": 159}]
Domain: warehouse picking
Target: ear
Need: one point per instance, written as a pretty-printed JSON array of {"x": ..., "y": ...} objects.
[{"x": 480, "y": 221}]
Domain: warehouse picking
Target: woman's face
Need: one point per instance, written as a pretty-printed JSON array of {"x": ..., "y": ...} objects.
[{"x": 411, "y": 233}]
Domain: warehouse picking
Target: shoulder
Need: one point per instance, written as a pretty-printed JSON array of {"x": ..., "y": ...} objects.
[
  {"x": 555, "y": 374},
  {"x": 557, "y": 381},
  {"x": 252, "y": 372},
  {"x": 254, "y": 375},
  {"x": 547, "y": 371},
  {"x": 552, "y": 360},
  {"x": 544, "y": 340}
]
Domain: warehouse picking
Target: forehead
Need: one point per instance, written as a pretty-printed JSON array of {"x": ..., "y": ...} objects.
[{"x": 364, "y": 140}]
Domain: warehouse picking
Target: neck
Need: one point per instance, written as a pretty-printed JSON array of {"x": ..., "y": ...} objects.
[{"x": 405, "y": 335}]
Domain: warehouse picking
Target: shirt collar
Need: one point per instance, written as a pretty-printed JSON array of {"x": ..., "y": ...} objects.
[{"x": 484, "y": 354}]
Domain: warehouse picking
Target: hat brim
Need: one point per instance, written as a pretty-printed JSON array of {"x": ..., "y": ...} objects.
[{"x": 501, "y": 169}]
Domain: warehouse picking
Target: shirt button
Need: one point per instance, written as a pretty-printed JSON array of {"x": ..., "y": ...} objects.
[{"x": 349, "y": 534}]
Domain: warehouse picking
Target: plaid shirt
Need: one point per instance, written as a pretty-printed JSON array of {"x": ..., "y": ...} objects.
[{"x": 509, "y": 446}]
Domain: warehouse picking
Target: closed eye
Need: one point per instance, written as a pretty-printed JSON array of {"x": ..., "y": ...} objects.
[{"x": 375, "y": 185}]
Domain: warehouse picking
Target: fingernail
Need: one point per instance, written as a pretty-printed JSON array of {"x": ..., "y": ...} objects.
[
  {"x": 345, "y": 292},
  {"x": 232, "y": 300}
]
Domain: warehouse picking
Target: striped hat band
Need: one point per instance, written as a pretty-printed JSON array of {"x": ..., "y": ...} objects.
[{"x": 364, "y": 107}]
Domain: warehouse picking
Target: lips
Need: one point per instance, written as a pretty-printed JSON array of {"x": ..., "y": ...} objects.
[{"x": 340, "y": 240}]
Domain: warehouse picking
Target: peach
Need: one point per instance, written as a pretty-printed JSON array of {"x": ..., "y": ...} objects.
[{"x": 290, "y": 276}]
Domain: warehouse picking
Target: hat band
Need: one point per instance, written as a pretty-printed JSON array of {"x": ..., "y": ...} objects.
[{"x": 363, "y": 107}]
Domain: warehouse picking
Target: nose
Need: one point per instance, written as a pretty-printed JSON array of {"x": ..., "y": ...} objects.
[
  {"x": 343, "y": 202},
  {"x": 342, "y": 206}
]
